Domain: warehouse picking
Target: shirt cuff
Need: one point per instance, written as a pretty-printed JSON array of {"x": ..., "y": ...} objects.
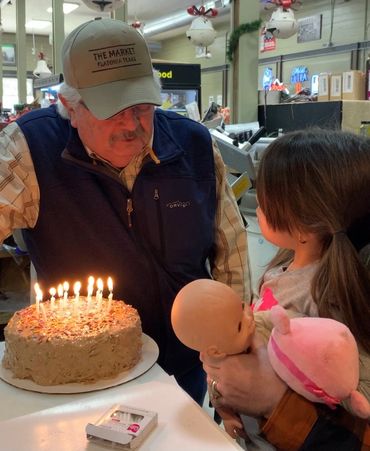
[{"x": 290, "y": 423}]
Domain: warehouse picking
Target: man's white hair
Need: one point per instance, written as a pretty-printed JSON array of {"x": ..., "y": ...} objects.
[{"x": 73, "y": 97}]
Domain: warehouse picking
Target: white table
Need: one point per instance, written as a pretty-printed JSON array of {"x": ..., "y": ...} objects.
[{"x": 32, "y": 421}]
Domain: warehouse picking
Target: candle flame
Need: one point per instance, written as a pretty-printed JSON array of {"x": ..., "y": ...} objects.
[
  {"x": 77, "y": 288},
  {"x": 39, "y": 295},
  {"x": 60, "y": 290},
  {"x": 65, "y": 286},
  {"x": 52, "y": 291},
  {"x": 110, "y": 284},
  {"x": 100, "y": 284},
  {"x": 90, "y": 281}
]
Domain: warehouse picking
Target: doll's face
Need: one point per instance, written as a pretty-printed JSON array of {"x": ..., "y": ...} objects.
[
  {"x": 209, "y": 316},
  {"x": 236, "y": 330}
]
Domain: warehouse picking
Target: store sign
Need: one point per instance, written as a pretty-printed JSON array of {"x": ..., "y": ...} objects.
[
  {"x": 268, "y": 41},
  {"x": 178, "y": 74},
  {"x": 299, "y": 74}
]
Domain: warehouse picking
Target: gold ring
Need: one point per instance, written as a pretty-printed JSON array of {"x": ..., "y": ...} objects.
[{"x": 214, "y": 392}]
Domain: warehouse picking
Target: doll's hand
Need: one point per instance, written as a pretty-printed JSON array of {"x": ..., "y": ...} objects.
[
  {"x": 232, "y": 422},
  {"x": 246, "y": 383}
]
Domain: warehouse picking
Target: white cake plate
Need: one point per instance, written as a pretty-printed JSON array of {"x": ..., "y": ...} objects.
[{"x": 148, "y": 358}]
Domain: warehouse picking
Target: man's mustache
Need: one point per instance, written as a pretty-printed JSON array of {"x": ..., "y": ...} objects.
[{"x": 127, "y": 135}]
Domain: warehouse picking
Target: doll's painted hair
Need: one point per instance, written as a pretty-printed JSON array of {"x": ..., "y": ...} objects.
[{"x": 318, "y": 181}]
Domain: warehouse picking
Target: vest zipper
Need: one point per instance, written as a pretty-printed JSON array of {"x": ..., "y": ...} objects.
[
  {"x": 160, "y": 222},
  {"x": 129, "y": 210}
]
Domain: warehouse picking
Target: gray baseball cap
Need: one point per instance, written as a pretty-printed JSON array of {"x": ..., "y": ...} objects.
[{"x": 109, "y": 64}]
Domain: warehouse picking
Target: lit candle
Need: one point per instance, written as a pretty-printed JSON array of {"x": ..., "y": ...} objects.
[
  {"x": 60, "y": 296},
  {"x": 43, "y": 311},
  {"x": 110, "y": 296},
  {"x": 90, "y": 290},
  {"x": 99, "y": 292},
  {"x": 65, "y": 298},
  {"x": 37, "y": 292},
  {"x": 52, "y": 292},
  {"x": 76, "y": 290},
  {"x": 90, "y": 287}
]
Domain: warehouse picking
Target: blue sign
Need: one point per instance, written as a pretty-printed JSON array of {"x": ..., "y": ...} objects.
[{"x": 299, "y": 74}]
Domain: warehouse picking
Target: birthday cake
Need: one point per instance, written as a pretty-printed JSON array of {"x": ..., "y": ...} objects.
[{"x": 64, "y": 344}]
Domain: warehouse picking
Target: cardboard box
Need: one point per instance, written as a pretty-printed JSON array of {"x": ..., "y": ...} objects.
[
  {"x": 122, "y": 427},
  {"x": 324, "y": 88},
  {"x": 353, "y": 85},
  {"x": 336, "y": 87}
]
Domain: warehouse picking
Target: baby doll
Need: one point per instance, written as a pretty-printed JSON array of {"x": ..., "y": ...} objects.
[
  {"x": 316, "y": 357},
  {"x": 208, "y": 316}
]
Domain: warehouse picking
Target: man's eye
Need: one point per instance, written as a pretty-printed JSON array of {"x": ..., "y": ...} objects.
[{"x": 143, "y": 108}]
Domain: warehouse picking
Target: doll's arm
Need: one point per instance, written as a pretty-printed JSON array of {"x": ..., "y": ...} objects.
[{"x": 232, "y": 422}]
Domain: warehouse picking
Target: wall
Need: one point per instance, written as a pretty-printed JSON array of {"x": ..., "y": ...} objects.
[
  {"x": 348, "y": 27},
  {"x": 179, "y": 49},
  {"x": 41, "y": 44}
]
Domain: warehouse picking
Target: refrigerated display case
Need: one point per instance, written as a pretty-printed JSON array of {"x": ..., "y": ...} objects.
[{"x": 180, "y": 86}]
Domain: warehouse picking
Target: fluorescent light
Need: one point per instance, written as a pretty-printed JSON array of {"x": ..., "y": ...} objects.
[
  {"x": 38, "y": 24},
  {"x": 68, "y": 7}
]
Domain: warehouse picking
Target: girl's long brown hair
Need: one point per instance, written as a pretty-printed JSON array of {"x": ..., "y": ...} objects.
[{"x": 319, "y": 181}]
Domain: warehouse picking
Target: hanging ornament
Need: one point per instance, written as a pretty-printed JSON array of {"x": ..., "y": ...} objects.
[
  {"x": 138, "y": 25},
  {"x": 104, "y": 5},
  {"x": 201, "y": 32},
  {"x": 41, "y": 70}
]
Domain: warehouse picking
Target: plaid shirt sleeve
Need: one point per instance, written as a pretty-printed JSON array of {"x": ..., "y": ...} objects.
[
  {"x": 298, "y": 424},
  {"x": 19, "y": 191},
  {"x": 230, "y": 264}
]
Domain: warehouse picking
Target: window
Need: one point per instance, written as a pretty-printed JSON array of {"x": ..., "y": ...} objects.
[{"x": 10, "y": 92}]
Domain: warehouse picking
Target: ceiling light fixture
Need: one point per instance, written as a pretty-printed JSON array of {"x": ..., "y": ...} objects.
[
  {"x": 38, "y": 24},
  {"x": 68, "y": 7}
]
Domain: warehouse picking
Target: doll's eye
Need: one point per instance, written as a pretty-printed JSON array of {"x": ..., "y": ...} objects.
[{"x": 239, "y": 326}]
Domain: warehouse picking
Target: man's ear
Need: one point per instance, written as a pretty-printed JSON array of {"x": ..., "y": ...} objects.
[
  {"x": 70, "y": 110},
  {"x": 213, "y": 352}
]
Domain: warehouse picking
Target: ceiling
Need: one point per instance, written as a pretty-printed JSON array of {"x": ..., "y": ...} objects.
[{"x": 147, "y": 11}]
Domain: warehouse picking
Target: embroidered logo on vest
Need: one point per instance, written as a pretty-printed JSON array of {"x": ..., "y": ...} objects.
[{"x": 178, "y": 204}]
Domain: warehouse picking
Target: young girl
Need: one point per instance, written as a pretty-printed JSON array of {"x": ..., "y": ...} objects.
[{"x": 313, "y": 190}]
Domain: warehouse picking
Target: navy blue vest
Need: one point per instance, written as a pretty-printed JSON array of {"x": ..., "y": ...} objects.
[{"x": 84, "y": 228}]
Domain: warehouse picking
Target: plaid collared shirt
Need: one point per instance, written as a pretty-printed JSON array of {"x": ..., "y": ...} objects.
[{"x": 20, "y": 201}]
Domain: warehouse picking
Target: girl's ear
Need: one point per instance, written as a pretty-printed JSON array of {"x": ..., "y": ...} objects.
[{"x": 213, "y": 352}]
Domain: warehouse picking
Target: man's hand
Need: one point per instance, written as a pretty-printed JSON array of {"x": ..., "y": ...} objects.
[{"x": 246, "y": 383}]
